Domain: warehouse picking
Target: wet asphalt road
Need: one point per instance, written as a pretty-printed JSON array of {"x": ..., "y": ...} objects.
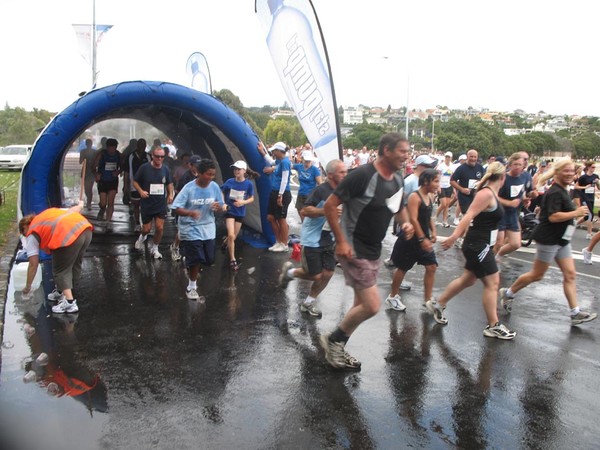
[{"x": 243, "y": 369}]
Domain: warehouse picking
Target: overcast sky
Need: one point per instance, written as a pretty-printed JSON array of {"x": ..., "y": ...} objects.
[{"x": 516, "y": 54}]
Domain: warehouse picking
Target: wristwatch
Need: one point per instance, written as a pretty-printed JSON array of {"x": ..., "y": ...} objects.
[{"x": 421, "y": 239}]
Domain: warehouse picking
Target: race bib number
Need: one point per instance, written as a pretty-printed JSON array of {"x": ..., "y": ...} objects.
[
  {"x": 515, "y": 191},
  {"x": 472, "y": 183},
  {"x": 493, "y": 237},
  {"x": 589, "y": 190},
  {"x": 157, "y": 189},
  {"x": 568, "y": 233},
  {"x": 393, "y": 203},
  {"x": 236, "y": 195},
  {"x": 110, "y": 166}
]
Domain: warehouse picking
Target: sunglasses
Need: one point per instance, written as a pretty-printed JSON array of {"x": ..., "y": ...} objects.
[{"x": 159, "y": 156}]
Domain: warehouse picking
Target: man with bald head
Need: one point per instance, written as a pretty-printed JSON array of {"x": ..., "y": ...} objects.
[{"x": 464, "y": 179}]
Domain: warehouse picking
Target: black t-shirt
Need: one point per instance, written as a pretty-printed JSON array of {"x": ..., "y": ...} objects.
[
  {"x": 556, "y": 199},
  {"x": 366, "y": 214},
  {"x": 585, "y": 180},
  {"x": 467, "y": 176}
]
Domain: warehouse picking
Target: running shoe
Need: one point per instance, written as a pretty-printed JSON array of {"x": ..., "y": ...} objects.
[
  {"x": 311, "y": 308},
  {"x": 446, "y": 225},
  {"x": 281, "y": 248},
  {"x": 155, "y": 253},
  {"x": 505, "y": 300},
  {"x": 438, "y": 314},
  {"x": 334, "y": 352},
  {"x": 405, "y": 286},
  {"x": 395, "y": 303},
  {"x": 274, "y": 247},
  {"x": 350, "y": 362},
  {"x": 233, "y": 265},
  {"x": 582, "y": 316},
  {"x": 284, "y": 278},
  {"x": 587, "y": 256},
  {"x": 139, "y": 244},
  {"x": 456, "y": 221},
  {"x": 55, "y": 296},
  {"x": 588, "y": 236},
  {"x": 64, "y": 307},
  {"x": 192, "y": 294},
  {"x": 100, "y": 215},
  {"x": 175, "y": 255},
  {"x": 498, "y": 331}
]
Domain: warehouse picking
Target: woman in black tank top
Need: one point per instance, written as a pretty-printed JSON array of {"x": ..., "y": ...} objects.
[{"x": 482, "y": 220}]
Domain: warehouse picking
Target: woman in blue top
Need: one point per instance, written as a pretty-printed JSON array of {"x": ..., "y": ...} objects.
[
  {"x": 107, "y": 167},
  {"x": 309, "y": 178},
  {"x": 238, "y": 192}
]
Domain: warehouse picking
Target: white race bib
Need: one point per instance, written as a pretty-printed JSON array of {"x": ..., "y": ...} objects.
[
  {"x": 472, "y": 183},
  {"x": 515, "y": 191},
  {"x": 393, "y": 203},
  {"x": 568, "y": 233},
  {"x": 110, "y": 166},
  {"x": 493, "y": 237},
  {"x": 236, "y": 195},
  {"x": 589, "y": 190},
  {"x": 157, "y": 189}
]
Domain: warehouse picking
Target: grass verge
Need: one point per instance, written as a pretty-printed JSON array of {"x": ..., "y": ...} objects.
[{"x": 9, "y": 182}]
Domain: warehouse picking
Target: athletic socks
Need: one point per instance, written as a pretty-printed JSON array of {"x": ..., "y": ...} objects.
[{"x": 338, "y": 336}]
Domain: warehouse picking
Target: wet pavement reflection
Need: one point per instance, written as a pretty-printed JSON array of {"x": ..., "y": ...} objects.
[{"x": 141, "y": 366}]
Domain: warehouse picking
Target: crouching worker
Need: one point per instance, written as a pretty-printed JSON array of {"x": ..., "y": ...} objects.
[{"x": 65, "y": 234}]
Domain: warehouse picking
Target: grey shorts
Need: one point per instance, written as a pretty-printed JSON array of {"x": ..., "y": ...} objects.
[
  {"x": 360, "y": 273},
  {"x": 549, "y": 253}
]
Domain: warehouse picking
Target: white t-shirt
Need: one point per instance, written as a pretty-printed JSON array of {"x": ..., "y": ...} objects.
[{"x": 446, "y": 171}]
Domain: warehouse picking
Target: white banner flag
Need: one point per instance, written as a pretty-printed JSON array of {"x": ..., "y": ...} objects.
[
  {"x": 84, "y": 38},
  {"x": 298, "y": 52}
]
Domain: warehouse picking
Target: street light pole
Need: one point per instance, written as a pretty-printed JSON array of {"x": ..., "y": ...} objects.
[
  {"x": 407, "y": 98},
  {"x": 432, "y": 134}
]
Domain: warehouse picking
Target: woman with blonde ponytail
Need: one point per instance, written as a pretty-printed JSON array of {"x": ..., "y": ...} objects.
[
  {"x": 553, "y": 241},
  {"x": 481, "y": 223}
]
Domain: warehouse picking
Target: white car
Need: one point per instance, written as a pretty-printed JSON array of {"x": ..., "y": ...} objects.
[{"x": 14, "y": 156}]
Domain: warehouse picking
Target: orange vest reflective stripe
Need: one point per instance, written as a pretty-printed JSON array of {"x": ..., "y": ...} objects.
[{"x": 57, "y": 228}]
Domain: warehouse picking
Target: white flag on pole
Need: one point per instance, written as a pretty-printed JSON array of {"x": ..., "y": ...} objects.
[{"x": 84, "y": 38}]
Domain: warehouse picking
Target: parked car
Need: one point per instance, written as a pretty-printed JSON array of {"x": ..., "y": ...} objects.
[{"x": 14, "y": 156}]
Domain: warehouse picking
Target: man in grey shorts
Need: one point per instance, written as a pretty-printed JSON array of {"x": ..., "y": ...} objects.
[
  {"x": 318, "y": 260},
  {"x": 371, "y": 195}
]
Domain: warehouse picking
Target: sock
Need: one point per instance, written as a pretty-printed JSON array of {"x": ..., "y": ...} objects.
[
  {"x": 338, "y": 336},
  {"x": 309, "y": 300},
  {"x": 191, "y": 285},
  {"x": 290, "y": 273},
  {"x": 70, "y": 300},
  {"x": 575, "y": 311},
  {"x": 510, "y": 293}
]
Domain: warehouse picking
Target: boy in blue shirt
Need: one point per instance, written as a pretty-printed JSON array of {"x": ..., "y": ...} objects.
[{"x": 196, "y": 205}]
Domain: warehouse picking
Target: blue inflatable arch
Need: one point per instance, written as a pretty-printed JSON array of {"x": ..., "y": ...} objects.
[{"x": 191, "y": 119}]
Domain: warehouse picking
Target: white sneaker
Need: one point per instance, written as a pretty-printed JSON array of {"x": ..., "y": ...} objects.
[
  {"x": 395, "y": 302},
  {"x": 456, "y": 221},
  {"x": 588, "y": 236},
  {"x": 155, "y": 253},
  {"x": 55, "y": 296},
  {"x": 192, "y": 294},
  {"x": 274, "y": 247},
  {"x": 280, "y": 248},
  {"x": 587, "y": 256},
  {"x": 64, "y": 307},
  {"x": 175, "y": 255},
  {"x": 446, "y": 225},
  {"x": 139, "y": 244}
]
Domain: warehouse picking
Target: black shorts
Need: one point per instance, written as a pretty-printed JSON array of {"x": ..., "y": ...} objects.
[
  {"x": 464, "y": 203},
  {"x": 588, "y": 200},
  {"x": 198, "y": 252},
  {"x": 446, "y": 192},
  {"x": 274, "y": 209},
  {"x": 236, "y": 218},
  {"x": 107, "y": 186},
  {"x": 300, "y": 200},
  {"x": 317, "y": 259},
  {"x": 480, "y": 259},
  {"x": 408, "y": 253},
  {"x": 147, "y": 218},
  {"x": 134, "y": 196}
]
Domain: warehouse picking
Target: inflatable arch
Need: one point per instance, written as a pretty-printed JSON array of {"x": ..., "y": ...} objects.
[{"x": 191, "y": 119}]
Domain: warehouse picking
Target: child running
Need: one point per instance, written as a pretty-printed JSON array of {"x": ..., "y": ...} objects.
[
  {"x": 238, "y": 192},
  {"x": 196, "y": 205},
  {"x": 485, "y": 213},
  {"x": 419, "y": 249}
]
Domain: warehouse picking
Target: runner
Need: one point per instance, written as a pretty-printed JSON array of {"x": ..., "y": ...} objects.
[
  {"x": 553, "y": 241},
  {"x": 446, "y": 169}
]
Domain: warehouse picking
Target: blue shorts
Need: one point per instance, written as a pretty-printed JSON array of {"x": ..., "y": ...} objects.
[
  {"x": 510, "y": 220},
  {"x": 198, "y": 252}
]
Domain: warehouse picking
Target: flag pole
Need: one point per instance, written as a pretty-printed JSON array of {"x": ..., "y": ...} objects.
[{"x": 93, "y": 44}]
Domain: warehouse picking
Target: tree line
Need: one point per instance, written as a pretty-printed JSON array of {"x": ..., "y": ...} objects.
[{"x": 18, "y": 126}]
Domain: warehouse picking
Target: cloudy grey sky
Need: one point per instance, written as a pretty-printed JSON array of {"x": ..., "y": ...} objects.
[{"x": 533, "y": 55}]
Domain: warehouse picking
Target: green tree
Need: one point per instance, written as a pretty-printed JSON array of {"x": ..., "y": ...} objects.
[
  {"x": 352, "y": 142},
  {"x": 368, "y": 134},
  {"x": 587, "y": 145}
]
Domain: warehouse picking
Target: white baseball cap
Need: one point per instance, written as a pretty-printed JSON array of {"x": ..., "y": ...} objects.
[
  {"x": 240, "y": 165},
  {"x": 448, "y": 154},
  {"x": 461, "y": 157},
  {"x": 278, "y": 146}
]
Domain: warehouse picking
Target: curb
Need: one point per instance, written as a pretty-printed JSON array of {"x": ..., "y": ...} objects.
[{"x": 7, "y": 258}]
